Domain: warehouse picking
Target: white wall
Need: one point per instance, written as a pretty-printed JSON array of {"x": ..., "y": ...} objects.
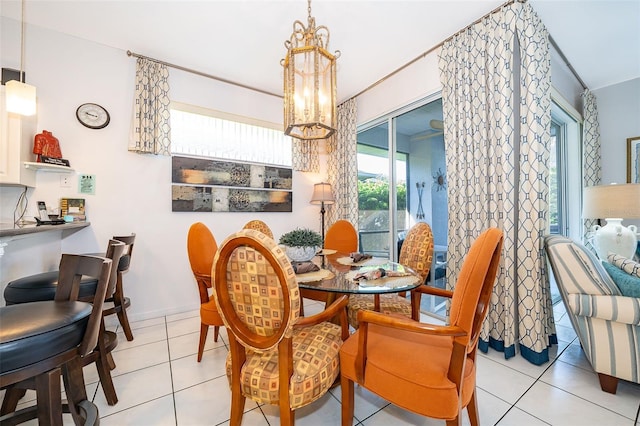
[
  {"x": 619, "y": 117},
  {"x": 133, "y": 192}
]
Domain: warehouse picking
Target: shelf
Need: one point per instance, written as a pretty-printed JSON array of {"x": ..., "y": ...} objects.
[{"x": 52, "y": 168}]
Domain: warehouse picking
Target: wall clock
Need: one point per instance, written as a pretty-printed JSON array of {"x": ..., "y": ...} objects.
[{"x": 93, "y": 116}]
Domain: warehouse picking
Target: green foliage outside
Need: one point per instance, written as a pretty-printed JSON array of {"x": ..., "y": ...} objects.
[{"x": 373, "y": 194}]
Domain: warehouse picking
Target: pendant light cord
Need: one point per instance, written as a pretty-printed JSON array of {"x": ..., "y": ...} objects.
[{"x": 22, "y": 45}]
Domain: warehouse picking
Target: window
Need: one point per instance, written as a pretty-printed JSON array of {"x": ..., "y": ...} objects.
[
  {"x": 565, "y": 170},
  {"x": 207, "y": 133}
]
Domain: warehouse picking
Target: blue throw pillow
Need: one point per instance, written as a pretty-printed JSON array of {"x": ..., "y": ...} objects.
[{"x": 628, "y": 284}]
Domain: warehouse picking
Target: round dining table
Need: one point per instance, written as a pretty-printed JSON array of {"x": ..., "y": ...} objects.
[{"x": 338, "y": 272}]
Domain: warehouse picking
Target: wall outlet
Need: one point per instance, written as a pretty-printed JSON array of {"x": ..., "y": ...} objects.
[{"x": 65, "y": 181}]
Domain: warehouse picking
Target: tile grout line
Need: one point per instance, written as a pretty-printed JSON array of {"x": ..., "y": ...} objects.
[
  {"x": 537, "y": 379},
  {"x": 173, "y": 391}
]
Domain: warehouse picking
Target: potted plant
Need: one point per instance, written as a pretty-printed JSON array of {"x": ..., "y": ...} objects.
[{"x": 301, "y": 244}]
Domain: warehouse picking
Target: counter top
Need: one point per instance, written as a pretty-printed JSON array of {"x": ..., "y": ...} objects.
[{"x": 11, "y": 230}]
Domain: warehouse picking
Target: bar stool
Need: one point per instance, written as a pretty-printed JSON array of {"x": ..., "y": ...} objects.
[
  {"x": 120, "y": 302},
  {"x": 43, "y": 287},
  {"x": 40, "y": 341}
]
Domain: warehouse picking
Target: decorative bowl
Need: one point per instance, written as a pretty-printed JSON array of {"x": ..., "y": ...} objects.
[{"x": 301, "y": 254}]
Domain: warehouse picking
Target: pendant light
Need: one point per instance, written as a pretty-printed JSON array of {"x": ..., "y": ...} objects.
[
  {"x": 309, "y": 82},
  {"x": 21, "y": 97}
]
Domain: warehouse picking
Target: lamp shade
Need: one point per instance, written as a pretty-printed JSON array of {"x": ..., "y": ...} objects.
[
  {"x": 611, "y": 201},
  {"x": 322, "y": 194},
  {"x": 21, "y": 98}
]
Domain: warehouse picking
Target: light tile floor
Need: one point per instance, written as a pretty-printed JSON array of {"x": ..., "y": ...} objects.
[{"x": 159, "y": 382}]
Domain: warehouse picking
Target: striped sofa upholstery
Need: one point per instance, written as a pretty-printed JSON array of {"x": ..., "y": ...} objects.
[{"x": 607, "y": 323}]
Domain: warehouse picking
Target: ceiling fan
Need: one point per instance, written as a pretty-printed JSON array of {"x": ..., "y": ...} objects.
[{"x": 437, "y": 129}]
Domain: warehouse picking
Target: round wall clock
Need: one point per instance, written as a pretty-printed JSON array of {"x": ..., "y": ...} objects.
[{"x": 93, "y": 116}]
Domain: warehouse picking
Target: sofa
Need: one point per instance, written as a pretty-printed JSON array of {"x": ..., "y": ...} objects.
[{"x": 606, "y": 322}]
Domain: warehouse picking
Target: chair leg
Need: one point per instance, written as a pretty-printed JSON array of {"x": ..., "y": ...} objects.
[
  {"x": 11, "y": 398},
  {"x": 237, "y": 406},
  {"x": 111, "y": 362},
  {"x": 104, "y": 372},
  {"x": 49, "y": 398},
  {"x": 204, "y": 329},
  {"x": 608, "y": 383},
  {"x": 347, "y": 401},
  {"x": 287, "y": 416},
  {"x": 472, "y": 410},
  {"x": 124, "y": 320},
  {"x": 75, "y": 388},
  {"x": 454, "y": 422}
]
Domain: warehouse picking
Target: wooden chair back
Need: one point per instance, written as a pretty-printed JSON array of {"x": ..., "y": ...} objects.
[
  {"x": 125, "y": 260},
  {"x": 201, "y": 249},
  {"x": 72, "y": 269},
  {"x": 259, "y": 226},
  {"x": 341, "y": 236}
]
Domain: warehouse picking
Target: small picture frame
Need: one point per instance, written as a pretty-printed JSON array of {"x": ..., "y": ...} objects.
[{"x": 633, "y": 160}]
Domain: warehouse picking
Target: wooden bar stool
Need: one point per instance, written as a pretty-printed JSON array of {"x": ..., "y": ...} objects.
[
  {"x": 120, "y": 302},
  {"x": 42, "y": 287},
  {"x": 40, "y": 341}
]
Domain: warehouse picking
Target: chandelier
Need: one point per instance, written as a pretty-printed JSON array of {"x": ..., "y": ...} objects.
[{"x": 309, "y": 82}]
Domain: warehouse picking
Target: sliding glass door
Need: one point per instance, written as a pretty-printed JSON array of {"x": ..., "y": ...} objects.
[{"x": 401, "y": 181}]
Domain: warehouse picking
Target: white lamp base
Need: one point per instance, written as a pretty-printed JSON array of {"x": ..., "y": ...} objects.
[{"x": 614, "y": 237}]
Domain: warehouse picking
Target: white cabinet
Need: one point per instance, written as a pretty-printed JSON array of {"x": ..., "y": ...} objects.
[{"x": 16, "y": 142}]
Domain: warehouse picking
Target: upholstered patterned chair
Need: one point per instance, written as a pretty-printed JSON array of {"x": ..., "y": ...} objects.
[
  {"x": 416, "y": 253},
  {"x": 275, "y": 357},
  {"x": 425, "y": 368},
  {"x": 259, "y": 226},
  {"x": 599, "y": 313},
  {"x": 201, "y": 248}
]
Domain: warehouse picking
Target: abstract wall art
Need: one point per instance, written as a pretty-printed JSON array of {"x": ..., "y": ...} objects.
[{"x": 209, "y": 185}]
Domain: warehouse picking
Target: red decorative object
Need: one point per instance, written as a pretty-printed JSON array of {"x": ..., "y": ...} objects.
[{"x": 46, "y": 144}]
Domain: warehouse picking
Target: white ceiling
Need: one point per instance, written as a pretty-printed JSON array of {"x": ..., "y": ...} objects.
[{"x": 243, "y": 41}]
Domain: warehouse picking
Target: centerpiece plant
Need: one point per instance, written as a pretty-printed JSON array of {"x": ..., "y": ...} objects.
[{"x": 301, "y": 244}]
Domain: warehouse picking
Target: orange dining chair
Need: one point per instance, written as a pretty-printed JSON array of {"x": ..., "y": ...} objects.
[
  {"x": 275, "y": 357},
  {"x": 341, "y": 236},
  {"x": 202, "y": 247},
  {"x": 417, "y": 254},
  {"x": 259, "y": 226},
  {"x": 431, "y": 369}
]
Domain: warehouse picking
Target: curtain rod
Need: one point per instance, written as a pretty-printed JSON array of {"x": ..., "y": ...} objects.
[
  {"x": 566, "y": 62},
  {"x": 202, "y": 74},
  {"x": 437, "y": 46}
]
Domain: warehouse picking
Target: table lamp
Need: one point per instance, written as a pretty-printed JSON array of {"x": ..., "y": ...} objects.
[
  {"x": 322, "y": 195},
  {"x": 613, "y": 203}
]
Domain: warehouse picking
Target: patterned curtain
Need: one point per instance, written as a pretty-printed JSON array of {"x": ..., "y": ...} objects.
[
  {"x": 305, "y": 155},
  {"x": 150, "y": 129},
  {"x": 591, "y": 152},
  {"x": 497, "y": 115},
  {"x": 343, "y": 166}
]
